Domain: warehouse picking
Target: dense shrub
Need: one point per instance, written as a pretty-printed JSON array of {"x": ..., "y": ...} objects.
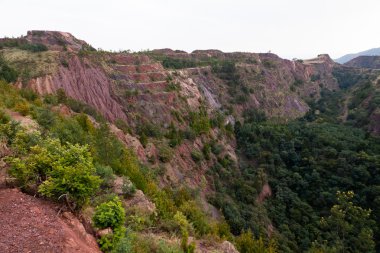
[
  {"x": 58, "y": 171},
  {"x": 196, "y": 156},
  {"x": 45, "y": 117},
  {"x": 34, "y": 47},
  {"x": 106, "y": 174},
  {"x": 7, "y": 73},
  {"x": 346, "y": 77},
  {"x": 246, "y": 243},
  {"x": 110, "y": 214},
  {"x": 22, "y": 108},
  {"x": 165, "y": 153},
  {"x": 200, "y": 122},
  {"x": 174, "y": 63},
  {"x": 4, "y": 117}
]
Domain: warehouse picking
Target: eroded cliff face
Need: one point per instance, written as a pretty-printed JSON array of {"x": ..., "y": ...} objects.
[
  {"x": 83, "y": 81},
  {"x": 276, "y": 86},
  {"x": 136, "y": 89},
  {"x": 131, "y": 87}
]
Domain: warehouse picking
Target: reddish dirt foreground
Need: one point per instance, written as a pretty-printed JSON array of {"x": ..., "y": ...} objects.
[{"x": 31, "y": 225}]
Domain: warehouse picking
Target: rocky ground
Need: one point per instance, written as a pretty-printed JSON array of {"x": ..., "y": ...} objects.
[{"x": 29, "y": 224}]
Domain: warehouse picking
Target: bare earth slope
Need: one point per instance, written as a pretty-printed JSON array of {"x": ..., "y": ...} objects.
[{"x": 32, "y": 225}]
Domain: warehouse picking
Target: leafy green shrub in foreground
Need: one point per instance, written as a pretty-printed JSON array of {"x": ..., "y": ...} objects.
[{"x": 58, "y": 170}]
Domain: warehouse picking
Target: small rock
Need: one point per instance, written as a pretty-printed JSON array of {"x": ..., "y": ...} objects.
[
  {"x": 103, "y": 232},
  {"x": 228, "y": 247}
]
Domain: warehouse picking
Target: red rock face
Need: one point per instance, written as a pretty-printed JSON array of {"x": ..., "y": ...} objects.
[{"x": 87, "y": 83}]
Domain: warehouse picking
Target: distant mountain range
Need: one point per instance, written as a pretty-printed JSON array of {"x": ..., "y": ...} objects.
[{"x": 348, "y": 57}]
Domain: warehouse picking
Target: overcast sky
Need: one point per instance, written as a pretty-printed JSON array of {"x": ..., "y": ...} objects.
[{"x": 289, "y": 28}]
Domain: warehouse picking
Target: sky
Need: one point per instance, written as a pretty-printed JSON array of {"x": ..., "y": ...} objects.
[{"x": 290, "y": 28}]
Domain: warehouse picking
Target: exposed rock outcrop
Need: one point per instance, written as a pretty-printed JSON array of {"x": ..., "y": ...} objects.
[
  {"x": 55, "y": 40},
  {"x": 140, "y": 203}
]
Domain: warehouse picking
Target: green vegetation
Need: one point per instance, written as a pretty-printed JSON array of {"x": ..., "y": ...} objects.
[
  {"x": 23, "y": 45},
  {"x": 58, "y": 171},
  {"x": 200, "y": 122},
  {"x": 109, "y": 214},
  {"x": 246, "y": 243},
  {"x": 268, "y": 64},
  {"x": 181, "y": 63},
  {"x": 34, "y": 48},
  {"x": 7, "y": 73},
  {"x": 227, "y": 71},
  {"x": 69, "y": 159},
  {"x": 347, "y": 77},
  {"x": 305, "y": 164},
  {"x": 348, "y": 228}
]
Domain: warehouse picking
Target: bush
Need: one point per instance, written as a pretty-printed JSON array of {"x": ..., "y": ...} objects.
[
  {"x": 111, "y": 242},
  {"x": 165, "y": 154},
  {"x": 175, "y": 136},
  {"x": 246, "y": 243},
  {"x": 173, "y": 86},
  {"x": 58, "y": 171},
  {"x": 198, "y": 219},
  {"x": 28, "y": 94},
  {"x": 185, "y": 227},
  {"x": 7, "y": 73},
  {"x": 4, "y": 117},
  {"x": 200, "y": 122},
  {"x": 122, "y": 125},
  {"x": 110, "y": 214},
  {"x": 22, "y": 108},
  {"x": 45, "y": 117},
  {"x": 196, "y": 156},
  {"x": 34, "y": 47},
  {"x": 149, "y": 130},
  {"x": 129, "y": 188},
  {"x": 268, "y": 64},
  {"x": 106, "y": 174},
  {"x": 216, "y": 148}
]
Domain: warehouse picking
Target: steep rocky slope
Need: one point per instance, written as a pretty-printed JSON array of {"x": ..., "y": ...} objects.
[
  {"x": 177, "y": 110},
  {"x": 147, "y": 96},
  {"x": 148, "y": 93}
]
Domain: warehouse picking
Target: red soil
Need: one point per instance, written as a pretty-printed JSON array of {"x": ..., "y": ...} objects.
[{"x": 33, "y": 225}]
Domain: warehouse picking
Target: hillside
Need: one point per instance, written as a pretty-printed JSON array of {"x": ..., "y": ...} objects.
[
  {"x": 348, "y": 57},
  {"x": 192, "y": 150},
  {"x": 369, "y": 62}
]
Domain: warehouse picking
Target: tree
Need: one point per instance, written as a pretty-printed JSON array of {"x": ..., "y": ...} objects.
[
  {"x": 349, "y": 226},
  {"x": 246, "y": 243}
]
